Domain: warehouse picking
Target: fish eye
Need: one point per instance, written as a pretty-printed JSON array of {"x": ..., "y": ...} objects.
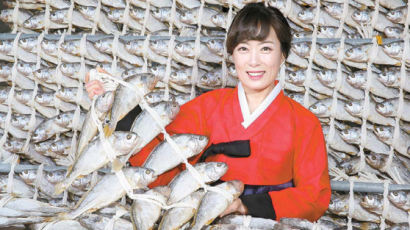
[
  {"x": 201, "y": 138},
  {"x": 148, "y": 172},
  {"x": 395, "y": 193},
  {"x": 314, "y": 107},
  {"x": 129, "y": 136},
  {"x": 54, "y": 145},
  {"x": 373, "y": 158},
  {"x": 219, "y": 164},
  {"x": 205, "y": 78}
]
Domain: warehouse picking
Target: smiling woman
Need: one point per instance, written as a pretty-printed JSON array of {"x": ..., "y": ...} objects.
[{"x": 269, "y": 142}]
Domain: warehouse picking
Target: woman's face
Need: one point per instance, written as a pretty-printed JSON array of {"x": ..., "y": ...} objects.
[{"x": 257, "y": 63}]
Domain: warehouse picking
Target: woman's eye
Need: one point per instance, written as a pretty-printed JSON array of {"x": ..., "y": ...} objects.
[
  {"x": 266, "y": 48},
  {"x": 242, "y": 48}
]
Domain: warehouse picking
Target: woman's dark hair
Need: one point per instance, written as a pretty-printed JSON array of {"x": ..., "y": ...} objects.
[{"x": 254, "y": 22}]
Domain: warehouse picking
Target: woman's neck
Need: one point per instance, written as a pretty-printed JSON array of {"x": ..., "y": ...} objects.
[{"x": 254, "y": 98}]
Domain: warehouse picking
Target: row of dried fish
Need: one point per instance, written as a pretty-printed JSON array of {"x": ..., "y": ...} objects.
[{"x": 357, "y": 21}]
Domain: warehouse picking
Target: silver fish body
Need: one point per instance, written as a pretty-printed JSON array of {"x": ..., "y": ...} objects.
[
  {"x": 144, "y": 82},
  {"x": 339, "y": 205},
  {"x": 401, "y": 199},
  {"x": 213, "y": 203},
  {"x": 374, "y": 203},
  {"x": 109, "y": 189},
  {"x": 185, "y": 183},
  {"x": 190, "y": 145},
  {"x": 91, "y": 158},
  {"x": 145, "y": 126},
  {"x": 176, "y": 217},
  {"x": 397, "y": 170},
  {"x": 144, "y": 213}
]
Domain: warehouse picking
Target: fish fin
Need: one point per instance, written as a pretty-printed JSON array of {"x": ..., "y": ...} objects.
[
  {"x": 108, "y": 129},
  {"x": 116, "y": 165},
  {"x": 82, "y": 198}
]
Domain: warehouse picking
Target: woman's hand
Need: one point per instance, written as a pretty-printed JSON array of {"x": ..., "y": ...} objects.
[
  {"x": 94, "y": 87},
  {"x": 236, "y": 207}
]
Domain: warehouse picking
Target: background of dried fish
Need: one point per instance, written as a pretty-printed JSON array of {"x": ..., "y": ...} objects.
[{"x": 349, "y": 64}]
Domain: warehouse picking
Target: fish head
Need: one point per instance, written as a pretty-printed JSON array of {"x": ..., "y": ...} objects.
[
  {"x": 361, "y": 16},
  {"x": 137, "y": 13},
  {"x": 154, "y": 97},
  {"x": 44, "y": 98},
  {"x": 4, "y": 93},
  {"x": 301, "y": 48},
  {"x": 215, "y": 170},
  {"x": 394, "y": 49},
  {"x": 172, "y": 109},
  {"x": 376, "y": 160},
  {"x": 28, "y": 176},
  {"x": 395, "y": 15},
  {"x": 197, "y": 142},
  {"x": 319, "y": 108},
  {"x": 298, "y": 97},
  {"x": 58, "y": 16},
  {"x": 297, "y": 77},
  {"x": 393, "y": 31},
  {"x": 327, "y": 31},
  {"x": 115, "y": 14},
  {"x": 327, "y": 77},
  {"x": 216, "y": 45},
  {"x": 28, "y": 43},
  {"x": 56, "y": 147},
  {"x": 306, "y": 15},
  {"x": 68, "y": 69},
  {"x": 232, "y": 70},
  {"x": 105, "y": 101},
  {"x": 148, "y": 82},
  {"x": 24, "y": 96},
  {"x": 6, "y": 15},
  {"x": 300, "y": 34},
  {"x": 186, "y": 49},
  {"x": 211, "y": 78},
  {"x": 125, "y": 141},
  {"x": 355, "y": 108},
  {"x": 135, "y": 46},
  {"x": 66, "y": 93},
  {"x": 64, "y": 119},
  {"x": 43, "y": 74},
  {"x": 398, "y": 197},
  {"x": 188, "y": 17},
  {"x": 329, "y": 50},
  {"x": 279, "y": 4},
  {"x": 82, "y": 182},
  {"x": 104, "y": 45},
  {"x": 338, "y": 204},
  {"x": 351, "y": 135},
  {"x": 71, "y": 47},
  {"x": 143, "y": 176},
  {"x": 389, "y": 77},
  {"x": 34, "y": 22},
  {"x": 385, "y": 108},
  {"x": 5, "y": 70},
  {"x": 357, "y": 53},
  {"x": 159, "y": 46},
  {"x": 6, "y": 46},
  {"x": 372, "y": 202},
  {"x": 334, "y": 9},
  {"x": 42, "y": 147},
  {"x": 162, "y": 14},
  {"x": 383, "y": 132},
  {"x": 87, "y": 11},
  {"x": 180, "y": 76},
  {"x": 55, "y": 176},
  {"x": 218, "y": 20},
  {"x": 129, "y": 72},
  {"x": 26, "y": 68},
  {"x": 350, "y": 166},
  {"x": 357, "y": 79},
  {"x": 158, "y": 70},
  {"x": 13, "y": 145}
]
